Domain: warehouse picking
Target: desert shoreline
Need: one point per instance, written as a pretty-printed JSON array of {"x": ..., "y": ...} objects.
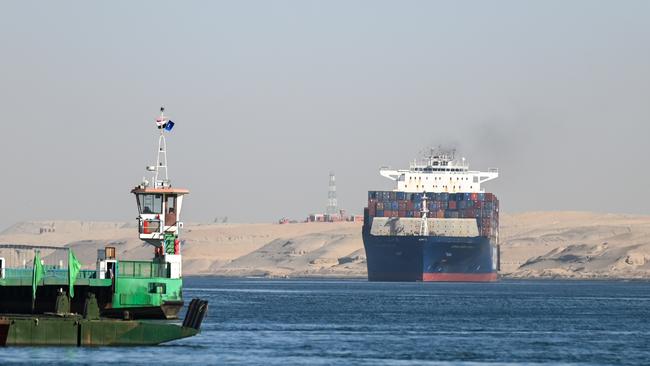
[{"x": 534, "y": 245}]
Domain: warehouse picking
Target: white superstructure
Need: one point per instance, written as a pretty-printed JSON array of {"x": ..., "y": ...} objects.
[
  {"x": 439, "y": 172},
  {"x": 159, "y": 206}
]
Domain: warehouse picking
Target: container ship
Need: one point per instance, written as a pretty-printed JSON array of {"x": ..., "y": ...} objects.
[{"x": 438, "y": 224}]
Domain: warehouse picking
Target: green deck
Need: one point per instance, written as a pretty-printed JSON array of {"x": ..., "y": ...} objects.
[{"x": 137, "y": 285}]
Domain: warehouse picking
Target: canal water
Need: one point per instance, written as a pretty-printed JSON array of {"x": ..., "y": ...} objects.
[{"x": 350, "y": 322}]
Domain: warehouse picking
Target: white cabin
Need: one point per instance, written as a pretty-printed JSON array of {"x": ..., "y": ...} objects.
[{"x": 439, "y": 172}]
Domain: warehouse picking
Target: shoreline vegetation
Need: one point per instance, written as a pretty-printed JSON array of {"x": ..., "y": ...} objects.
[{"x": 534, "y": 245}]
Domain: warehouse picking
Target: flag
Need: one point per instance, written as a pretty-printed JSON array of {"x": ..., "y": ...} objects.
[
  {"x": 73, "y": 270},
  {"x": 37, "y": 274},
  {"x": 169, "y": 125}
]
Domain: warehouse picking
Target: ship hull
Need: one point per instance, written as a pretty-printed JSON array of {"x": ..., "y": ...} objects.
[
  {"x": 4, "y": 331},
  {"x": 430, "y": 258}
]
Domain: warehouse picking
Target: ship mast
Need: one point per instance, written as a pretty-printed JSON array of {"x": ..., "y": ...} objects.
[
  {"x": 160, "y": 169},
  {"x": 424, "y": 226},
  {"x": 159, "y": 206}
]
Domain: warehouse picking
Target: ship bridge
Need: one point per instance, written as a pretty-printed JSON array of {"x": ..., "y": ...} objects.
[{"x": 439, "y": 172}]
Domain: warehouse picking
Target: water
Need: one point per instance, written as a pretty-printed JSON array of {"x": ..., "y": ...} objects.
[{"x": 298, "y": 322}]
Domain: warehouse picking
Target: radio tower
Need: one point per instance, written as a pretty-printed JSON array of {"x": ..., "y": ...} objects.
[{"x": 332, "y": 205}]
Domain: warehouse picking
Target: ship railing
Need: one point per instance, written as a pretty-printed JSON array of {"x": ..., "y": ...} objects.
[
  {"x": 493, "y": 170},
  {"x": 60, "y": 273},
  {"x": 17, "y": 261},
  {"x": 21, "y": 256},
  {"x": 135, "y": 269},
  {"x": 18, "y": 272},
  {"x": 87, "y": 274}
]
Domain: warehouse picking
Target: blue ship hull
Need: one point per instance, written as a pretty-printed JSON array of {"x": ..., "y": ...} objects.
[{"x": 430, "y": 258}]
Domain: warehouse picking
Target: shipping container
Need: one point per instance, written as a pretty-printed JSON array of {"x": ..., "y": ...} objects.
[{"x": 482, "y": 206}]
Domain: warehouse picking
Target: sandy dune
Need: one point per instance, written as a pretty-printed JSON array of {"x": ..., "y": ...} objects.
[
  {"x": 219, "y": 249},
  {"x": 533, "y": 245},
  {"x": 575, "y": 245}
]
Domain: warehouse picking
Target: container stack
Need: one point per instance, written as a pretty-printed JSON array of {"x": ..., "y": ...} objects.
[{"x": 484, "y": 207}]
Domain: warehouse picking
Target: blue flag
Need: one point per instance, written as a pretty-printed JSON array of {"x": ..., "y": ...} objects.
[{"x": 169, "y": 125}]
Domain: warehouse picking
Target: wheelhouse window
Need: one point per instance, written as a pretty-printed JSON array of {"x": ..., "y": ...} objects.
[
  {"x": 171, "y": 203},
  {"x": 150, "y": 203},
  {"x": 170, "y": 214}
]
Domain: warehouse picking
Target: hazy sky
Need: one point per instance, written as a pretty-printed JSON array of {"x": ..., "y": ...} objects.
[{"x": 269, "y": 96}]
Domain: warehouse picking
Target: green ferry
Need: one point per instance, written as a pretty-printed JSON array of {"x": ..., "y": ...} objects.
[{"x": 53, "y": 290}]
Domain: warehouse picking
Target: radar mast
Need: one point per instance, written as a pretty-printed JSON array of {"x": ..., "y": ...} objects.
[
  {"x": 159, "y": 206},
  {"x": 160, "y": 170}
]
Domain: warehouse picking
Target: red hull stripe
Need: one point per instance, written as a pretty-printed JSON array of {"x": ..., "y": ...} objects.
[{"x": 459, "y": 277}]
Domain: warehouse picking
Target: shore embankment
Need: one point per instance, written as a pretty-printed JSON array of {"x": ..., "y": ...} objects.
[{"x": 534, "y": 245}]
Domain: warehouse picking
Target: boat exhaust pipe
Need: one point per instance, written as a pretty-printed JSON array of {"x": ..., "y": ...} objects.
[{"x": 195, "y": 313}]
